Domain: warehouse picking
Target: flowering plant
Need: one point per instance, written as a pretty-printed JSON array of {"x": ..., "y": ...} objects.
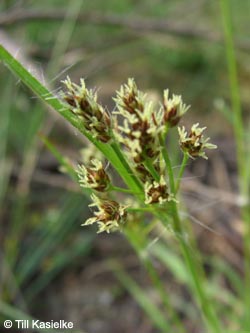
[{"x": 140, "y": 131}]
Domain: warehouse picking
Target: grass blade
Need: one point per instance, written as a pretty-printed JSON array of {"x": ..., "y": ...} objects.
[
  {"x": 142, "y": 298},
  {"x": 112, "y": 153}
]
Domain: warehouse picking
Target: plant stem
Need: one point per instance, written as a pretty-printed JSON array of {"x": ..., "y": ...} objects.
[
  {"x": 181, "y": 171},
  {"x": 168, "y": 163},
  {"x": 233, "y": 80},
  {"x": 139, "y": 246},
  {"x": 149, "y": 165},
  {"x": 198, "y": 277},
  {"x": 137, "y": 188},
  {"x": 162, "y": 291},
  {"x": 152, "y": 311},
  {"x": 195, "y": 269},
  {"x": 238, "y": 127},
  {"x": 140, "y": 210},
  {"x": 120, "y": 189}
]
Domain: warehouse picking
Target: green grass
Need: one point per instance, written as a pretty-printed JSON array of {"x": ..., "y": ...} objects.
[
  {"x": 30, "y": 256},
  {"x": 219, "y": 308},
  {"x": 241, "y": 143},
  {"x": 119, "y": 160}
]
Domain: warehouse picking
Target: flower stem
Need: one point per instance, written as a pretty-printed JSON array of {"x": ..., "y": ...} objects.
[
  {"x": 140, "y": 209},
  {"x": 139, "y": 245},
  {"x": 136, "y": 185},
  {"x": 241, "y": 149},
  {"x": 149, "y": 165},
  {"x": 181, "y": 171},
  {"x": 120, "y": 189},
  {"x": 168, "y": 163},
  {"x": 195, "y": 269}
]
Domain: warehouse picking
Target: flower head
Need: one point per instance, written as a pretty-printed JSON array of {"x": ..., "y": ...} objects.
[
  {"x": 83, "y": 103},
  {"x": 194, "y": 143},
  {"x": 173, "y": 109},
  {"x": 140, "y": 128},
  {"x": 94, "y": 177},
  {"x": 139, "y": 124},
  {"x": 110, "y": 214},
  {"x": 157, "y": 192}
]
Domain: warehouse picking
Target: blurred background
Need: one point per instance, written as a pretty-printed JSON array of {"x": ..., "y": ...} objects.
[{"x": 50, "y": 266}]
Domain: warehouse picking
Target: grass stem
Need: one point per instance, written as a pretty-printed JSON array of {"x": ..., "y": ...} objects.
[
  {"x": 238, "y": 126},
  {"x": 195, "y": 269},
  {"x": 181, "y": 171}
]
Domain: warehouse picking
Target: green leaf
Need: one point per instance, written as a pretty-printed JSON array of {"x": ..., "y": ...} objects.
[
  {"x": 154, "y": 314},
  {"x": 111, "y": 152}
]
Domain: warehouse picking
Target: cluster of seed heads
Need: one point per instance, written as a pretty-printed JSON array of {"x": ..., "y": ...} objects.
[
  {"x": 140, "y": 128},
  {"x": 83, "y": 103}
]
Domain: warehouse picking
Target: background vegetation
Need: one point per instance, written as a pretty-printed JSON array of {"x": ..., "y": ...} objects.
[{"x": 51, "y": 268}]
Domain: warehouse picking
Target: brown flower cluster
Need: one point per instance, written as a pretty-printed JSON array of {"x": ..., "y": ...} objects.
[
  {"x": 139, "y": 127},
  {"x": 83, "y": 103},
  {"x": 194, "y": 143},
  {"x": 109, "y": 216}
]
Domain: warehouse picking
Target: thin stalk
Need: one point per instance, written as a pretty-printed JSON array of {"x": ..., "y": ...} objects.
[
  {"x": 238, "y": 126},
  {"x": 64, "y": 36},
  {"x": 156, "y": 280},
  {"x": 195, "y": 270},
  {"x": 154, "y": 276},
  {"x": 152, "y": 311},
  {"x": 150, "y": 167},
  {"x": 4, "y": 129},
  {"x": 168, "y": 163},
  {"x": 181, "y": 171},
  {"x": 60, "y": 158},
  {"x": 120, "y": 189},
  {"x": 137, "y": 184},
  {"x": 140, "y": 210},
  {"x": 234, "y": 84},
  {"x": 198, "y": 277}
]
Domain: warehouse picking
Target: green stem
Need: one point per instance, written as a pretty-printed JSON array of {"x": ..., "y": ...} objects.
[
  {"x": 120, "y": 189},
  {"x": 139, "y": 246},
  {"x": 153, "y": 313},
  {"x": 196, "y": 272},
  {"x": 233, "y": 79},
  {"x": 168, "y": 163},
  {"x": 137, "y": 188},
  {"x": 140, "y": 210},
  {"x": 238, "y": 126},
  {"x": 60, "y": 158},
  {"x": 150, "y": 167},
  {"x": 181, "y": 171},
  {"x": 162, "y": 291},
  {"x": 198, "y": 278},
  {"x": 195, "y": 269}
]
